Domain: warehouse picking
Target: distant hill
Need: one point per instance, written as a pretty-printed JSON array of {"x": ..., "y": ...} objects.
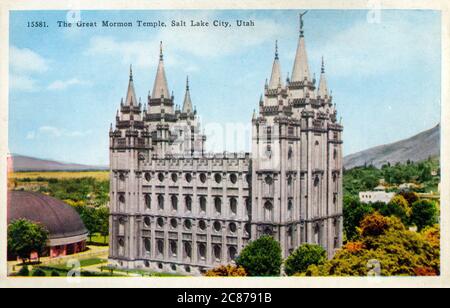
[
  {"x": 417, "y": 148},
  {"x": 26, "y": 163}
]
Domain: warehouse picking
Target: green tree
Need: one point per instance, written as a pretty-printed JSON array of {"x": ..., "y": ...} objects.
[
  {"x": 261, "y": 257},
  {"x": 303, "y": 257},
  {"x": 398, "y": 207},
  {"x": 24, "y": 271},
  {"x": 38, "y": 273},
  {"x": 103, "y": 221},
  {"x": 26, "y": 237},
  {"x": 354, "y": 213},
  {"x": 399, "y": 252},
  {"x": 424, "y": 214},
  {"x": 90, "y": 219}
]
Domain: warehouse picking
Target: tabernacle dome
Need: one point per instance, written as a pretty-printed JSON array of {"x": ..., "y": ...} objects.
[{"x": 68, "y": 234}]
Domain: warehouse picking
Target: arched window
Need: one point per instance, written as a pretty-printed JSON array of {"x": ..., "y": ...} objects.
[
  {"x": 148, "y": 177},
  {"x": 202, "y": 204},
  {"x": 121, "y": 198},
  {"x": 188, "y": 202},
  {"x": 187, "y": 249},
  {"x": 188, "y": 177},
  {"x": 233, "y": 178},
  {"x": 161, "y": 177},
  {"x": 160, "y": 247},
  {"x": 290, "y": 153},
  {"x": 161, "y": 202},
  {"x": 160, "y": 222},
  {"x": 248, "y": 229},
  {"x": 202, "y": 225},
  {"x": 122, "y": 177},
  {"x": 217, "y": 252},
  {"x": 289, "y": 180},
  {"x": 334, "y": 154},
  {"x": 232, "y": 252},
  {"x": 248, "y": 207},
  {"x": 173, "y": 248},
  {"x": 174, "y": 203},
  {"x": 147, "y": 221},
  {"x": 317, "y": 234},
  {"x": 218, "y": 205},
  {"x": 203, "y": 178},
  {"x": 232, "y": 227},
  {"x": 202, "y": 251},
  {"x": 218, "y": 178},
  {"x": 268, "y": 211},
  {"x": 290, "y": 209},
  {"x": 290, "y": 235},
  {"x": 147, "y": 245},
  {"x": 316, "y": 181},
  {"x": 217, "y": 226},
  {"x": 174, "y": 177},
  {"x": 268, "y": 180},
  {"x": 187, "y": 224},
  {"x": 148, "y": 201},
  {"x": 233, "y": 206},
  {"x": 173, "y": 223}
]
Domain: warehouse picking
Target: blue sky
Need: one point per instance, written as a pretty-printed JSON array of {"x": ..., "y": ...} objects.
[{"x": 66, "y": 84}]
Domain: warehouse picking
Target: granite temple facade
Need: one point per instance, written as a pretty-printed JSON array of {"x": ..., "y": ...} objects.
[{"x": 175, "y": 208}]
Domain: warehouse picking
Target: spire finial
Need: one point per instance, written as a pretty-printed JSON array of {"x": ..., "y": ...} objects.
[
  {"x": 131, "y": 72},
  {"x": 187, "y": 83},
  {"x": 276, "y": 50},
  {"x": 161, "y": 55},
  {"x": 323, "y": 65},
  {"x": 302, "y": 32}
]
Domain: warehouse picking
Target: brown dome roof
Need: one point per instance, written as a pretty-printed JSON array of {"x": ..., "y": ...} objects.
[{"x": 60, "y": 219}]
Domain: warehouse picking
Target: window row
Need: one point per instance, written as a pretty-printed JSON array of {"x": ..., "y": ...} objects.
[
  {"x": 202, "y": 203},
  {"x": 216, "y": 251},
  {"x": 187, "y": 225},
  {"x": 218, "y": 177}
]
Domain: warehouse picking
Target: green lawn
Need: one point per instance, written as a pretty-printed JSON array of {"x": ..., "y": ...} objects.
[{"x": 99, "y": 240}]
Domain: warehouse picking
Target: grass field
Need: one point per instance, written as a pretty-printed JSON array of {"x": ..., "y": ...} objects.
[{"x": 98, "y": 175}]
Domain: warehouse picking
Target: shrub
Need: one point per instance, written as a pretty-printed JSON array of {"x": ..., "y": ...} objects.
[
  {"x": 424, "y": 214},
  {"x": 24, "y": 271},
  {"x": 261, "y": 257},
  {"x": 374, "y": 225},
  {"x": 39, "y": 273},
  {"x": 226, "y": 271},
  {"x": 303, "y": 257},
  {"x": 55, "y": 274}
]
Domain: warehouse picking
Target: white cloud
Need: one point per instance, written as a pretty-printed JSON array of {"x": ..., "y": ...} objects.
[
  {"x": 27, "y": 61},
  {"x": 22, "y": 83},
  {"x": 211, "y": 43},
  {"x": 54, "y": 132},
  {"x": 364, "y": 49},
  {"x": 64, "y": 84}
]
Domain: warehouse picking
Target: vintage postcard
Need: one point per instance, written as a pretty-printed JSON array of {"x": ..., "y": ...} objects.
[{"x": 156, "y": 143}]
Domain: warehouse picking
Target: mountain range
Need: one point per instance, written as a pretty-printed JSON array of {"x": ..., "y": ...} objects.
[{"x": 417, "y": 148}]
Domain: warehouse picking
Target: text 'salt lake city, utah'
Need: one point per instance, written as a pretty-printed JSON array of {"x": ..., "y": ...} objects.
[{"x": 224, "y": 143}]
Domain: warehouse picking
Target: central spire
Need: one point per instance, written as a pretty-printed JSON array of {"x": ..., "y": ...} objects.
[
  {"x": 275, "y": 79},
  {"x": 187, "y": 105},
  {"x": 161, "y": 88},
  {"x": 131, "y": 94},
  {"x": 301, "y": 66},
  {"x": 323, "y": 86}
]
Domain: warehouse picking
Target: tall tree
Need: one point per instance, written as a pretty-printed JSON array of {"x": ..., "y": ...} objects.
[
  {"x": 261, "y": 257},
  {"x": 424, "y": 214},
  {"x": 25, "y": 238},
  {"x": 303, "y": 257}
]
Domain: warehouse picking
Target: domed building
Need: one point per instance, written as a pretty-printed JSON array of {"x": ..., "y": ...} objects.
[{"x": 67, "y": 233}]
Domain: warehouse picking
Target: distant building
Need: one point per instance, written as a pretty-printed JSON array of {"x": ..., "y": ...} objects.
[
  {"x": 375, "y": 196},
  {"x": 68, "y": 235}
]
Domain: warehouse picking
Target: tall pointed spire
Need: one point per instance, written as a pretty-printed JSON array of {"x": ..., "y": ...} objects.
[
  {"x": 323, "y": 86},
  {"x": 131, "y": 94},
  {"x": 187, "y": 105},
  {"x": 301, "y": 66},
  {"x": 276, "y": 79},
  {"x": 160, "y": 87}
]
